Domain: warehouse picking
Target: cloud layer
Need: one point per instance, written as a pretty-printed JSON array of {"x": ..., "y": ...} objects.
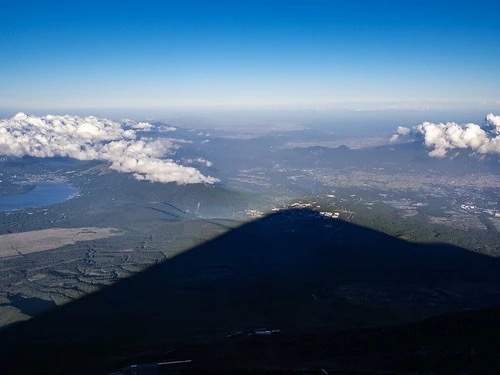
[
  {"x": 91, "y": 138},
  {"x": 443, "y": 137}
]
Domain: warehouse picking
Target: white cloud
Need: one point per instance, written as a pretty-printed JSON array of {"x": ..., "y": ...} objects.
[
  {"x": 143, "y": 126},
  {"x": 166, "y": 128},
  {"x": 401, "y": 131},
  {"x": 442, "y": 137},
  {"x": 91, "y": 138},
  {"x": 202, "y": 161},
  {"x": 494, "y": 121}
]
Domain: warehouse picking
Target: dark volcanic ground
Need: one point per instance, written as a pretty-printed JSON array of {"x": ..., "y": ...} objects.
[{"x": 324, "y": 284}]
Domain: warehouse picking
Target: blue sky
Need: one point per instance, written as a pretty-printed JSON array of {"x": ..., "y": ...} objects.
[{"x": 338, "y": 54}]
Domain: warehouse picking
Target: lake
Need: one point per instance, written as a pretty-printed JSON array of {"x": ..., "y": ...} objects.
[{"x": 44, "y": 194}]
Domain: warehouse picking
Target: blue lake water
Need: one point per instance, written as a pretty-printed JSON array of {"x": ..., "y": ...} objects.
[{"x": 44, "y": 194}]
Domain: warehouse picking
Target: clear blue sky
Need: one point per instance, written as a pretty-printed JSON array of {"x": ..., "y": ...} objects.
[{"x": 147, "y": 54}]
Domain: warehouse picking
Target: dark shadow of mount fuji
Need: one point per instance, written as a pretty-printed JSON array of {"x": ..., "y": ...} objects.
[{"x": 294, "y": 271}]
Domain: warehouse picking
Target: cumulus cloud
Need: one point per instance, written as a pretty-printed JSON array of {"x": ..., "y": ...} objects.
[
  {"x": 401, "y": 131},
  {"x": 143, "y": 126},
  {"x": 92, "y": 138},
  {"x": 201, "y": 161},
  {"x": 140, "y": 126},
  {"x": 442, "y": 137},
  {"x": 494, "y": 122},
  {"x": 166, "y": 128}
]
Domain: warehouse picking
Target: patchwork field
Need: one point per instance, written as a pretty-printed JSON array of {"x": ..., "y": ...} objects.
[{"x": 18, "y": 244}]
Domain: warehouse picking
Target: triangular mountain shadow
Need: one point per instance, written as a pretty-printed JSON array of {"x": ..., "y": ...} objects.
[{"x": 293, "y": 271}]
